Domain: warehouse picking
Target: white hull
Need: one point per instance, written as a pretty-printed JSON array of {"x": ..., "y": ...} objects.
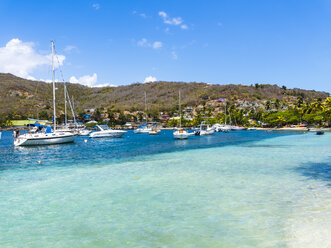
[
  {"x": 44, "y": 139},
  {"x": 102, "y": 134},
  {"x": 236, "y": 128},
  {"x": 181, "y": 136},
  {"x": 154, "y": 132},
  {"x": 142, "y": 130},
  {"x": 84, "y": 132},
  {"x": 206, "y": 132}
]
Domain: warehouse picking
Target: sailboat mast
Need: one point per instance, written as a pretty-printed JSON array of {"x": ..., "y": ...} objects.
[
  {"x": 65, "y": 104},
  {"x": 146, "y": 106},
  {"x": 225, "y": 114},
  {"x": 180, "y": 113},
  {"x": 53, "y": 80}
]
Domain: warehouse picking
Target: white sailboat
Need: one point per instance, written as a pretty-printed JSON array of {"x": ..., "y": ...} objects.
[
  {"x": 180, "y": 133},
  {"x": 44, "y": 135},
  {"x": 144, "y": 129}
]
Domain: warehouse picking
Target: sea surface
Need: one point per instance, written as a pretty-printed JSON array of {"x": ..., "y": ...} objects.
[{"x": 237, "y": 189}]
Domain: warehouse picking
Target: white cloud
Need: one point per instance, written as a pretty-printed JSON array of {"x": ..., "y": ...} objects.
[
  {"x": 49, "y": 80},
  {"x": 163, "y": 14},
  {"x": 96, "y": 6},
  {"x": 184, "y": 26},
  {"x": 172, "y": 21},
  {"x": 157, "y": 44},
  {"x": 174, "y": 55},
  {"x": 21, "y": 59},
  {"x": 31, "y": 78},
  {"x": 150, "y": 79},
  {"x": 143, "y": 15},
  {"x": 69, "y": 48},
  {"x": 85, "y": 80},
  {"x": 144, "y": 43},
  {"x": 104, "y": 85}
]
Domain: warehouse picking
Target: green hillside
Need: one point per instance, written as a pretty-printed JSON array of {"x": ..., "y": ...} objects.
[{"x": 25, "y": 98}]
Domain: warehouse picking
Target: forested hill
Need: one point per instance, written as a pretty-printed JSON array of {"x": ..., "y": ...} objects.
[{"x": 26, "y": 97}]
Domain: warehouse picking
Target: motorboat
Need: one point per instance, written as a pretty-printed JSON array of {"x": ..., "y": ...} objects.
[
  {"x": 155, "y": 130},
  {"x": 205, "y": 129},
  {"x": 143, "y": 129},
  {"x": 44, "y": 135},
  {"x": 221, "y": 128},
  {"x": 105, "y": 131},
  {"x": 84, "y": 132},
  {"x": 238, "y": 128}
]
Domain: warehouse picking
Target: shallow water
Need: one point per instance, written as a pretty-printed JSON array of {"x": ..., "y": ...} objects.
[{"x": 240, "y": 189}]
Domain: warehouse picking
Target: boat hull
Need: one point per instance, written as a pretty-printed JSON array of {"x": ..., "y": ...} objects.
[
  {"x": 33, "y": 141},
  {"x": 109, "y": 135},
  {"x": 141, "y": 131},
  {"x": 181, "y": 136},
  {"x": 204, "y": 132}
]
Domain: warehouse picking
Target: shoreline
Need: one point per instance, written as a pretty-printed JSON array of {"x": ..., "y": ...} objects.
[{"x": 305, "y": 129}]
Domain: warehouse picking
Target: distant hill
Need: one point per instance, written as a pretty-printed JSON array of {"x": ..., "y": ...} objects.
[{"x": 26, "y": 97}]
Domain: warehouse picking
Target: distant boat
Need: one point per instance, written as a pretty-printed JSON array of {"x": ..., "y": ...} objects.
[
  {"x": 221, "y": 128},
  {"x": 155, "y": 130},
  {"x": 180, "y": 133},
  {"x": 84, "y": 132},
  {"x": 44, "y": 135},
  {"x": 319, "y": 132},
  {"x": 105, "y": 131},
  {"x": 238, "y": 128},
  {"x": 0, "y": 135},
  {"x": 145, "y": 128},
  {"x": 205, "y": 129}
]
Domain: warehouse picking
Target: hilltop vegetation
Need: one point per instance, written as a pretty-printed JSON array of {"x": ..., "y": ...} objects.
[{"x": 21, "y": 98}]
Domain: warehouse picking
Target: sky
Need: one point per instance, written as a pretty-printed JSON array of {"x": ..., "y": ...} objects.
[{"x": 98, "y": 43}]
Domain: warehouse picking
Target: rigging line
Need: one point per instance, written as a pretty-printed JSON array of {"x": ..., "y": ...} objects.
[{"x": 67, "y": 93}]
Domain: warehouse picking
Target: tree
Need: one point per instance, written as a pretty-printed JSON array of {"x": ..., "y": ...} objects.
[{"x": 43, "y": 115}]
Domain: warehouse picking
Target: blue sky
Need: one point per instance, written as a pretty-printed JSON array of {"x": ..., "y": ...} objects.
[{"x": 120, "y": 42}]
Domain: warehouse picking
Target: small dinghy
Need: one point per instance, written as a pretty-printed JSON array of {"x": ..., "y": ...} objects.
[{"x": 319, "y": 133}]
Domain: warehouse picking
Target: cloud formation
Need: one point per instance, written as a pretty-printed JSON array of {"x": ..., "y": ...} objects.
[
  {"x": 144, "y": 43},
  {"x": 96, "y": 6},
  {"x": 150, "y": 79},
  {"x": 174, "y": 55},
  {"x": 20, "y": 58},
  {"x": 176, "y": 21},
  {"x": 143, "y": 15},
  {"x": 85, "y": 80},
  {"x": 70, "y": 48}
]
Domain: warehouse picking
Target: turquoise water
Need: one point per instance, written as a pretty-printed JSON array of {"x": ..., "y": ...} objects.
[{"x": 241, "y": 189}]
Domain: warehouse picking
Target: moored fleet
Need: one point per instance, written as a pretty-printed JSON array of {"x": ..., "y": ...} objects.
[{"x": 45, "y": 134}]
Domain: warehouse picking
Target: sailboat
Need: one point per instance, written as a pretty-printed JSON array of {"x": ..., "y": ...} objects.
[
  {"x": 180, "y": 133},
  {"x": 145, "y": 128},
  {"x": 223, "y": 127},
  {"x": 44, "y": 135}
]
